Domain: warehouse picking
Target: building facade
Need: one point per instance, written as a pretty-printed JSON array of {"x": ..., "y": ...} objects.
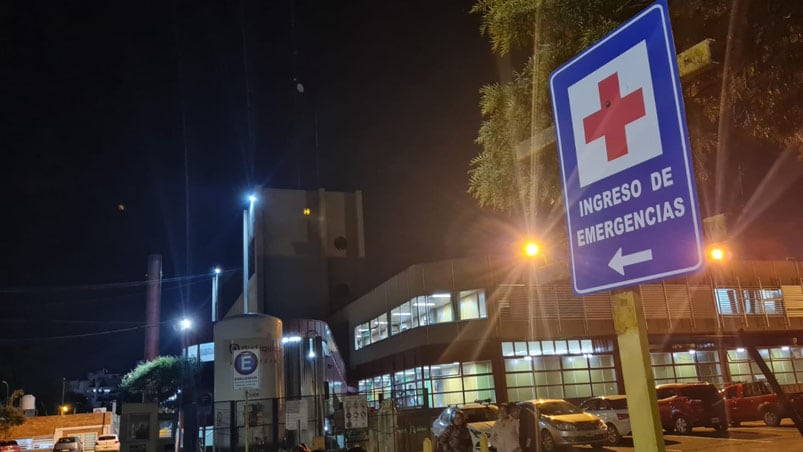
[{"x": 457, "y": 331}]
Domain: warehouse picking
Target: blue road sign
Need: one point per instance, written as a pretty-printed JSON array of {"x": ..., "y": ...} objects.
[
  {"x": 246, "y": 362},
  {"x": 628, "y": 183}
]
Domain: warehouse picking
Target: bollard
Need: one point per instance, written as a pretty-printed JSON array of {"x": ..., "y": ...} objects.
[
  {"x": 483, "y": 443},
  {"x": 427, "y": 445}
]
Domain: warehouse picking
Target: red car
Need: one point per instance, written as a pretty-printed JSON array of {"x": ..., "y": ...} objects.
[
  {"x": 9, "y": 446},
  {"x": 755, "y": 401},
  {"x": 684, "y": 406}
]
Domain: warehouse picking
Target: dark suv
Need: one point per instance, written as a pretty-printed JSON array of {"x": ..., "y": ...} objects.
[{"x": 684, "y": 406}]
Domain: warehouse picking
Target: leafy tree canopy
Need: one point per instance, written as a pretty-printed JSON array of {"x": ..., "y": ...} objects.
[
  {"x": 753, "y": 90},
  {"x": 157, "y": 380},
  {"x": 11, "y": 415}
]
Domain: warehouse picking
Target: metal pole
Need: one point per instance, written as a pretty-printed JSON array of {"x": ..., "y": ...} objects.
[
  {"x": 245, "y": 261},
  {"x": 634, "y": 353},
  {"x": 245, "y": 418},
  {"x": 215, "y": 282}
]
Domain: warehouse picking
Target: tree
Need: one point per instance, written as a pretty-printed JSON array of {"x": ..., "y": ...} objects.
[
  {"x": 159, "y": 379},
  {"x": 756, "y": 90},
  {"x": 11, "y": 415},
  {"x": 515, "y": 111}
]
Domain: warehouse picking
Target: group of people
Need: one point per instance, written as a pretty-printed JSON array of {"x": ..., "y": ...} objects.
[{"x": 513, "y": 431}]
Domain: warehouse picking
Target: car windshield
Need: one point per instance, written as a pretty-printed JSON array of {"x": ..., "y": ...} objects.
[
  {"x": 618, "y": 404},
  {"x": 102, "y": 438},
  {"x": 489, "y": 413},
  {"x": 557, "y": 407},
  {"x": 699, "y": 392},
  {"x": 66, "y": 440}
]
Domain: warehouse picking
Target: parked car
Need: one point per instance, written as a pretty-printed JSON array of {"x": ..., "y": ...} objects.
[
  {"x": 613, "y": 410},
  {"x": 9, "y": 446},
  {"x": 480, "y": 418},
  {"x": 107, "y": 443},
  {"x": 684, "y": 406},
  {"x": 68, "y": 444},
  {"x": 756, "y": 401},
  {"x": 564, "y": 424}
]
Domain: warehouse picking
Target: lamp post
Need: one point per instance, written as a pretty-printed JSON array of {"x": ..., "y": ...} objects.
[
  {"x": 532, "y": 250},
  {"x": 184, "y": 326},
  {"x": 248, "y": 233},
  {"x": 6, "y": 383},
  {"x": 215, "y": 284}
]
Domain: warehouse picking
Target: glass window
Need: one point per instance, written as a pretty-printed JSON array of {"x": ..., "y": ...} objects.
[
  {"x": 362, "y": 336},
  {"x": 519, "y": 379},
  {"x": 439, "y": 308},
  {"x": 449, "y": 386},
  {"x": 518, "y": 365},
  {"x": 379, "y": 328},
  {"x": 520, "y": 348},
  {"x": 546, "y": 363},
  {"x": 477, "y": 367},
  {"x": 727, "y": 302},
  {"x": 400, "y": 319},
  {"x": 507, "y": 348},
  {"x": 420, "y": 307},
  {"x": 574, "y": 362},
  {"x": 520, "y": 393},
  {"x": 535, "y": 347},
  {"x": 472, "y": 304},
  {"x": 574, "y": 347},
  {"x": 561, "y": 348}
]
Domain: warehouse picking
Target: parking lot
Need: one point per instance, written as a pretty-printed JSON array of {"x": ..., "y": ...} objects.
[{"x": 750, "y": 436}]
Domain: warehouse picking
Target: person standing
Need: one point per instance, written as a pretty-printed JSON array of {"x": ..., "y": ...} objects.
[
  {"x": 527, "y": 426},
  {"x": 456, "y": 437},
  {"x": 505, "y": 432}
]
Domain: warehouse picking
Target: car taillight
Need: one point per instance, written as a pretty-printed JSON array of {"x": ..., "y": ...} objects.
[{"x": 622, "y": 416}]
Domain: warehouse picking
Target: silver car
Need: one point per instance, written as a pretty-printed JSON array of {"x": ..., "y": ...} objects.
[
  {"x": 613, "y": 410},
  {"x": 564, "y": 424},
  {"x": 68, "y": 444}
]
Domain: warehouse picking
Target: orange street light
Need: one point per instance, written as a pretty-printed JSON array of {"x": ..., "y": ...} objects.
[
  {"x": 531, "y": 249},
  {"x": 718, "y": 253}
]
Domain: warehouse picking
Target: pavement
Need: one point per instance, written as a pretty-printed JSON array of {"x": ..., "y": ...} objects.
[{"x": 749, "y": 436}]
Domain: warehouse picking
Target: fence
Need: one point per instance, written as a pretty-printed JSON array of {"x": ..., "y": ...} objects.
[{"x": 318, "y": 422}]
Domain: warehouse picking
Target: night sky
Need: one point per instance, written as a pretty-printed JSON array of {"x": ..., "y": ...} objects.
[
  {"x": 94, "y": 98},
  {"x": 101, "y": 101}
]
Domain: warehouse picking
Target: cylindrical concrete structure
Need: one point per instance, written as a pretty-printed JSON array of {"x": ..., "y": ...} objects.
[{"x": 249, "y": 381}]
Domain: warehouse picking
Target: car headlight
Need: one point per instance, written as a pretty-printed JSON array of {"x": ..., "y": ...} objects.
[
  {"x": 602, "y": 424},
  {"x": 564, "y": 426}
]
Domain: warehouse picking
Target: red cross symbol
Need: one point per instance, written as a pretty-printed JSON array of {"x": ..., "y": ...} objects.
[{"x": 614, "y": 114}]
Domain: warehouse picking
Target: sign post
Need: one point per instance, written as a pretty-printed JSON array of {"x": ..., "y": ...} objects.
[{"x": 628, "y": 185}]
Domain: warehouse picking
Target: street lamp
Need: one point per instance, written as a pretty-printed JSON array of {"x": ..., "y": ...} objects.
[
  {"x": 215, "y": 281},
  {"x": 248, "y": 234},
  {"x": 717, "y": 253},
  {"x": 531, "y": 251}
]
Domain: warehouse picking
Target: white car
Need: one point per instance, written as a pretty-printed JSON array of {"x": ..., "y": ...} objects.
[
  {"x": 480, "y": 419},
  {"x": 563, "y": 424},
  {"x": 107, "y": 443},
  {"x": 613, "y": 410}
]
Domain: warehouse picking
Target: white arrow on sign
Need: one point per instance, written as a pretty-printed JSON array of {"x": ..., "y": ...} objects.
[{"x": 619, "y": 262}]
